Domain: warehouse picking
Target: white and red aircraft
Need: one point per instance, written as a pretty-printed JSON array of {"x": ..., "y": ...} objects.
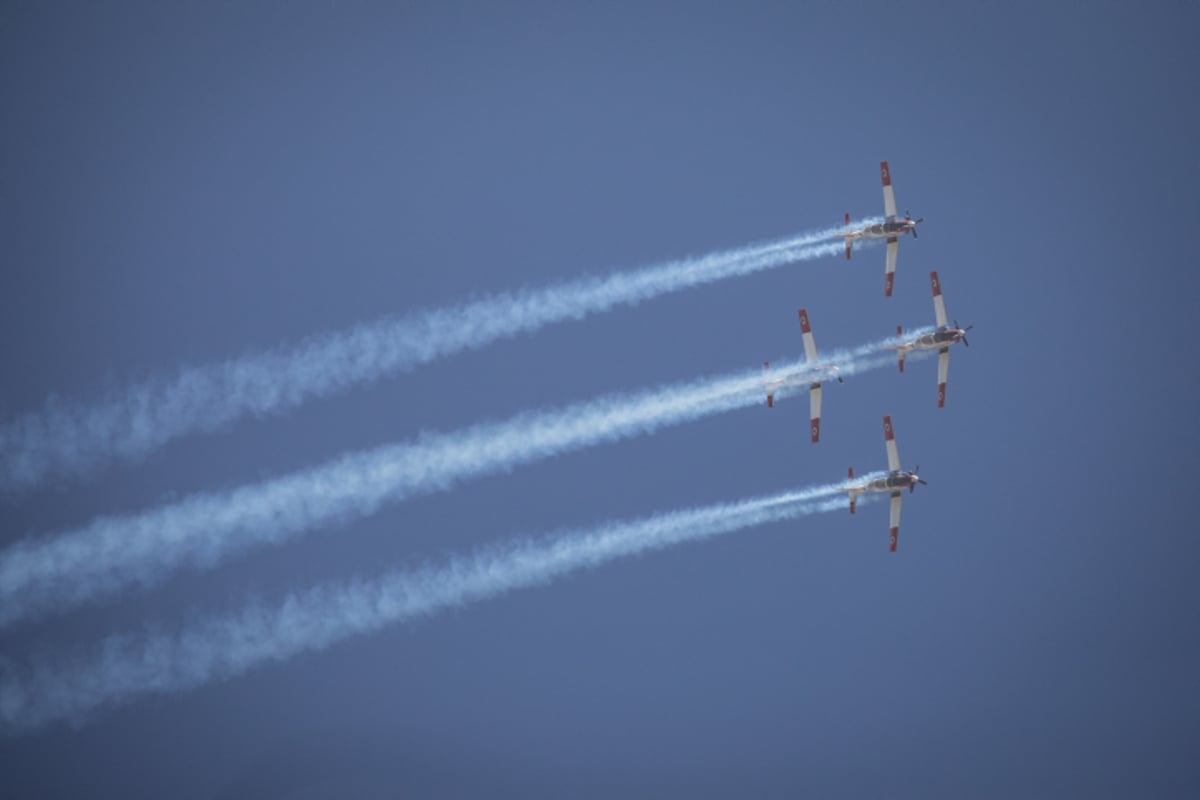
[
  {"x": 814, "y": 387},
  {"x": 891, "y": 229},
  {"x": 939, "y": 340},
  {"x": 895, "y": 483}
]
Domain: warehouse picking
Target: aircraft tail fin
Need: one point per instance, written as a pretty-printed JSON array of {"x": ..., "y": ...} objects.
[
  {"x": 900, "y": 351},
  {"x": 849, "y": 243}
]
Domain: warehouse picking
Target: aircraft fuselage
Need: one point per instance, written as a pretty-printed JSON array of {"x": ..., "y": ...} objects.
[
  {"x": 894, "y": 482},
  {"x": 942, "y": 337},
  {"x": 884, "y": 230}
]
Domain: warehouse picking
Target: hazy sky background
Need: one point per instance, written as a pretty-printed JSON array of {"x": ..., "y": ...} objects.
[{"x": 182, "y": 184}]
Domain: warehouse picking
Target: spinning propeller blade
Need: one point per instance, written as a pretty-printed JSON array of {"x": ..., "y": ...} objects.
[
  {"x": 964, "y": 330},
  {"x": 907, "y": 215},
  {"x": 912, "y": 487}
]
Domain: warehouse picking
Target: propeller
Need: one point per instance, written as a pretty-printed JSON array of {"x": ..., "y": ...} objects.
[
  {"x": 964, "y": 330},
  {"x": 912, "y": 487},
  {"x": 908, "y": 216}
]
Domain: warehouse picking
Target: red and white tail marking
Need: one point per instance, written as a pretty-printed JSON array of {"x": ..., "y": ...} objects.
[
  {"x": 888, "y": 281},
  {"x": 816, "y": 430},
  {"x": 770, "y": 394},
  {"x": 885, "y": 173},
  {"x": 941, "y": 395},
  {"x": 894, "y": 538}
]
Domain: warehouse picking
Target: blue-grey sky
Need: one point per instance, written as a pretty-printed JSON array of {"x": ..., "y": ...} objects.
[{"x": 182, "y": 185}]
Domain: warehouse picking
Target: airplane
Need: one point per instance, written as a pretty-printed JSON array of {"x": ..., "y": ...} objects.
[
  {"x": 814, "y": 387},
  {"x": 891, "y": 229},
  {"x": 939, "y": 340},
  {"x": 895, "y": 483}
]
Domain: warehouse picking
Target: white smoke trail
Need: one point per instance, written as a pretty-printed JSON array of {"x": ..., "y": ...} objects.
[
  {"x": 56, "y": 573},
  {"x": 67, "y": 439},
  {"x": 218, "y": 648}
]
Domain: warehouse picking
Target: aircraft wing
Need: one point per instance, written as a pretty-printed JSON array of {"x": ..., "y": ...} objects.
[
  {"x": 943, "y": 373},
  {"x": 889, "y": 436},
  {"x": 894, "y": 533},
  {"x": 810, "y": 344},
  {"x": 889, "y": 194},
  {"x": 893, "y": 255},
  {"x": 939, "y": 304},
  {"x": 814, "y": 397}
]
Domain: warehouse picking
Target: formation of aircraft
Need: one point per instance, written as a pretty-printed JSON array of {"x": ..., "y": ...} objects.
[
  {"x": 815, "y": 373},
  {"x": 891, "y": 229}
]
